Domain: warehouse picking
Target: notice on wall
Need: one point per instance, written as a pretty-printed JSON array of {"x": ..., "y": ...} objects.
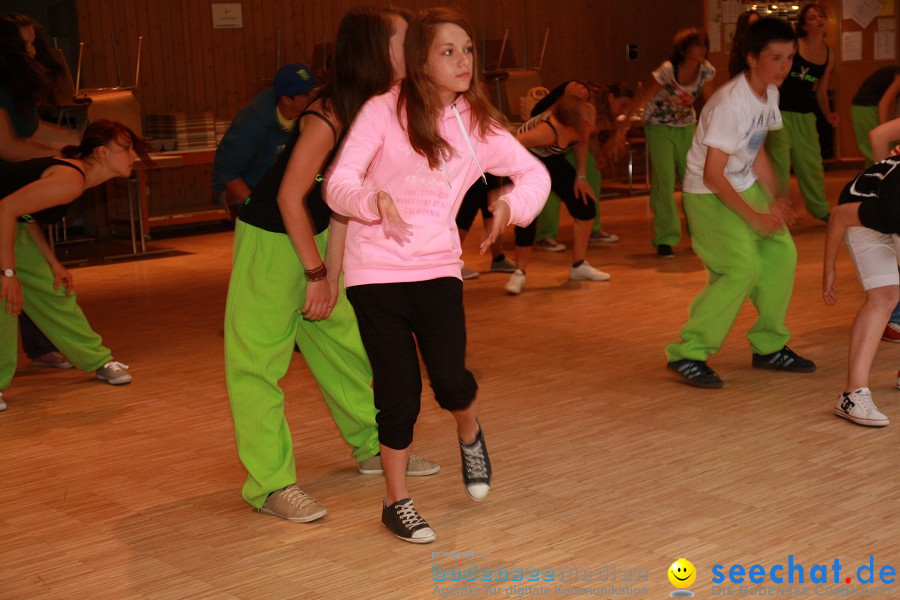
[
  {"x": 851, "y": 45},
  {"x": 227, "y": 16},
  {"x": 862, "y": 11},
  {"x": 884, "y": 45}
]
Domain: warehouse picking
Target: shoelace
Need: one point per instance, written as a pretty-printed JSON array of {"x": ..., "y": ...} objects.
[
  {"x": 863, "y": 400},
  {"x": 297, "y": 497},
  {"x": 409, "y": 516},
  {"x": 474, "y": 457},
  {"x": 115, "y": 365}
]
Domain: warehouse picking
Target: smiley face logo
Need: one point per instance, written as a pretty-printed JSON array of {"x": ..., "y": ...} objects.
[{"x": 682, "y": 573}]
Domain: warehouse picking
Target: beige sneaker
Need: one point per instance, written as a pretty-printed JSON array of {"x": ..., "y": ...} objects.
[
  {"x": 416, "y": 467},
  {"x": 293, "y": 504},
  {"x": 115, "y": 373}
]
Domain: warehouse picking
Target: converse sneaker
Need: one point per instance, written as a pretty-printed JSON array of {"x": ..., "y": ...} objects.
[
  {"x": 585, "y": 272},
  {"x": 665, "y": 251},
  {"x": 697, "y": 373},
  {"x": 891, "y": 333},
  {"x": 550, "y": 245},
  {"x": 2, "y": 403},
  {"x": 114, "y": 372},
  {"x": 293, "y": 504},
  {"x": 516, "y": 282},
  {"x": 416, "y": 467},
  {"x": 469, "y": 274},
  {"x": 56, "y": 360},
  {"x": 476, "y": 466},
  {"x": 406, "y": 523},
  {"x": 504, "y": 265},
  {"x": 603, "y": 237},
  {"x": 857, "y": 406},
  {"x": 784, "y": 360}
]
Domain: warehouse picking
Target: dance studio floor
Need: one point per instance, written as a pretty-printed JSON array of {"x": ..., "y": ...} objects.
[{"x": 605, "y": 466}]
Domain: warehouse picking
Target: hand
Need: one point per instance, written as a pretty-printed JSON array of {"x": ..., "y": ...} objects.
[
  {"x": 833, "y": 119},
  {"x": 11, "y": 291},
  {"x": 334, "y": 289},
  {"x": 829, "y": 289},
  {"x": 62, "y": 275},
  {"x": 583, "y": 190},
  {"x": 391, "y": 222},
  {"x": 895, "y": 150},
  {"x": 500, "y": 210},
  {"x": 318, "y": 301},
  {"x": 783, "y": 210},
  {"x": 765, "y": 224}
]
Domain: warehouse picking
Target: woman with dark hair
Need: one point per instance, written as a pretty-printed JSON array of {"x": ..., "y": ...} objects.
[
  {"x": 400, "y": 177},
  {"x": 736, "y": 57},
  {"x": 286, "y": 287},
  {"x": 669, "y": 124},
  {"x": 31, "y": 278},
  {"x": 806, "y": 87}
]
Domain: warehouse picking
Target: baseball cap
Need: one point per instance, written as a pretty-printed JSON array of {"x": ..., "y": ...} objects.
[{"x": 294, "y": 79}]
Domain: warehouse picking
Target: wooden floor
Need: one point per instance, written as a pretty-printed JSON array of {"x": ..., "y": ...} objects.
[{"x": 600, "y": 456}]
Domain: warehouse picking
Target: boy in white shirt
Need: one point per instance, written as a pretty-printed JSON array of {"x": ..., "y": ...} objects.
[{"x": 737, "y": 228}]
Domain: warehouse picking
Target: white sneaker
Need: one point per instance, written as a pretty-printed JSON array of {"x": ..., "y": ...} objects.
[
  {"x": 585, "y": 272},
  {"x": 2, "y": 403},
  {"x": 516, "y": 282},
  {"x": 114, "y": 372},
  {"x": 469, "y": 274},
  {"x": 858, "y": 407}
]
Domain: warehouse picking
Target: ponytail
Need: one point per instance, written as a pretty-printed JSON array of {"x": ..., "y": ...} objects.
[{"x": 103, "y": 133}]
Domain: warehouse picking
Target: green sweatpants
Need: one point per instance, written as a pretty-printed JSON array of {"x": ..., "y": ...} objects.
[
  {"x": 262, "y": 323},
  {"x": 548, "y": 220},
  {"x": 865, "y": 119},
  {"x": 57, "y": 315},
  {"x": 668, "y": 147},
  {"x": 797, "y": 143},
  {"x": 739, "y": 264}
]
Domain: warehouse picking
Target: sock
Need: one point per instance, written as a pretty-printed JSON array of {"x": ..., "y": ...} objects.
[
  {"x": 575, "y": 265},
  {"x": 500, "y": 257}
]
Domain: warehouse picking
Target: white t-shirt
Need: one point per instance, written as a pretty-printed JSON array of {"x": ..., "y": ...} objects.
[{"x": 736, "y": 121}]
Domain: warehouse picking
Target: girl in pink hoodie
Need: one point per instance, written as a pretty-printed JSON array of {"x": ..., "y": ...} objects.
[{"x": 407, "y": 161}]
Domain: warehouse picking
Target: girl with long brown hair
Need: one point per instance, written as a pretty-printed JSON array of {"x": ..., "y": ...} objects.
[{"x": 407, "y": 161}]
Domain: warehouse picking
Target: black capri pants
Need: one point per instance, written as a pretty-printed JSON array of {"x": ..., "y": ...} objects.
[
  {"x": 562, "y": 182},
  {"x": 476, "y": 199},
  {"x": 392, "y": 318}
]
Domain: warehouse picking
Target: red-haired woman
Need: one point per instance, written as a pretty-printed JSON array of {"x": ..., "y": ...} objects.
[{"x": 407, "y": 161}]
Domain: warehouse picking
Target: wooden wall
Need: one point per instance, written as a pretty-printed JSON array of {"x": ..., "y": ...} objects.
[{"x": 189, "y": 66}]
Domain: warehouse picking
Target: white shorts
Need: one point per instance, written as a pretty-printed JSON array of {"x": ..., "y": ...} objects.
[{"x": 875, "y": 256}]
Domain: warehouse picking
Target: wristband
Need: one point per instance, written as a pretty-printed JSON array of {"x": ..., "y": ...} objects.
[{"x": 317, "y": 274}]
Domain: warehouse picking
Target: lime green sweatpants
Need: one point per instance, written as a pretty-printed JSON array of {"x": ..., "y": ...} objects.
[
  {"x": 262, "y": 323},
  {"x": 55, "y": 314},
  {"x": 668, "y": 147},
  {"x": 865, "y": 119},
  {"x": 740, "y": 264},
  {"x": 797, "y": 143},
  {"x": 548, "y": 220}
]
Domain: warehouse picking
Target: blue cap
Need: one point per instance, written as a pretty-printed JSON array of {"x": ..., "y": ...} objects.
[{"x": 294, "y": 79}]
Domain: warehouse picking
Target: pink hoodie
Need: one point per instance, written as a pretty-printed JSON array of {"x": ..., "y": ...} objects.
[{"x": 377, "y": 156}]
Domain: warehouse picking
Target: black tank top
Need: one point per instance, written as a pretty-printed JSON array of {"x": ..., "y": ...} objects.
[
  {"x": 796, "y": 93},
  {"x": 262, "y": 209},
  {"x": 15, "y": 176}
]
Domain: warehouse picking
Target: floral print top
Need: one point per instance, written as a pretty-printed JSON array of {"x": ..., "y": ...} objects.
[{"x": 673, "y": 105}]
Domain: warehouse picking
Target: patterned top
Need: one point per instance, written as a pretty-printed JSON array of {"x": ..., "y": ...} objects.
[
  {"x": 673, "y": 105},
  {"x": 551, "y": 149}
]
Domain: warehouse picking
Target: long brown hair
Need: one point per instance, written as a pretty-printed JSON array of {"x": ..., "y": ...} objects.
[
  {"x": 419, "y": 96},
  {"x": 361, "y": 63}
]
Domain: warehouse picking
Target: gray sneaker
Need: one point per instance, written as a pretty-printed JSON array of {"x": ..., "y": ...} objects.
[
  {"x": 416, "y": 467},
  {"x": 115, "y": 373},
  {"x": 293, "y": 504},
  {"x": 504, "y": 265},
  {"x": 469, "y": 274}
]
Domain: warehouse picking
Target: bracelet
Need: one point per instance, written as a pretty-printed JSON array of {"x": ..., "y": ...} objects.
[{"x": 317, "y": 274}]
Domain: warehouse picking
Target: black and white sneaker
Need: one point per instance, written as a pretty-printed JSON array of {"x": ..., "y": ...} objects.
[
  {"x": 784, "y": 360},
  {"x": 406, "y": 523},
  {"x": 697, "y": 373},
  {"x": 476, "y": 466}
]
